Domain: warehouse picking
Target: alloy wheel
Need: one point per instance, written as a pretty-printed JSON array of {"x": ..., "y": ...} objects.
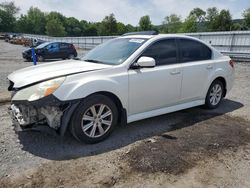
[
  {"x": 215, "y": 94},
  {"x": 97, "y": 120}
]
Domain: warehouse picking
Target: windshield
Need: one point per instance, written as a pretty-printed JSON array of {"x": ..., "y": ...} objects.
[
  {"x": 43, "y": 45},
  {"x": 115, "y": 51}
]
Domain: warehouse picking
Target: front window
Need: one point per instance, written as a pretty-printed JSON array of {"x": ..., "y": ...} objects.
[
  {"x": 43, "y": 45},
  {"x": 114, "y": 52}
]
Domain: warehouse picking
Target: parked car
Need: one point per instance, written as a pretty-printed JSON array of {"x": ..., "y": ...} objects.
[
  {"x": 52, "y": 50},
  {"x": 18, "y": 40},
  {"x": 2, "y": 36},
  {"x": 10, "y": 36},
  {"x": 126, "y": 79}
]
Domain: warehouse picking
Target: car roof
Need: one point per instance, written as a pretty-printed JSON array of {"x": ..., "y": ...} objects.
[{"x": 159, "y": 36}]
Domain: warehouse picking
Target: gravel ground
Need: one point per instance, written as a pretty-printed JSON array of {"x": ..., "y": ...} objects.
[{"x": 191, "y": 148}]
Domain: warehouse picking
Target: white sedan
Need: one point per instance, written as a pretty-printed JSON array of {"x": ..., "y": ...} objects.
[{"x": 132, "y": 77}]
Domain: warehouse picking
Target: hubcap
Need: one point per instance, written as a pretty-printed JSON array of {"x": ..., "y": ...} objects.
[
  {"x": 215, "y": 94},
  {"x": 97, "y": 120}
]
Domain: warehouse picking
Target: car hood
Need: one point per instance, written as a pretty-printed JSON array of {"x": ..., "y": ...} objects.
[{"x": 38, "y": 73}]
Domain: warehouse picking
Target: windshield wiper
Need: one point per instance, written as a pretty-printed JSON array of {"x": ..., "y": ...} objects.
[{"x": 93, "y": 61}]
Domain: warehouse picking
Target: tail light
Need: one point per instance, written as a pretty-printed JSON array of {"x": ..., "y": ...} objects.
[
  {"x": 72, "y": 46},
  {"x": 232, "y": 63}
]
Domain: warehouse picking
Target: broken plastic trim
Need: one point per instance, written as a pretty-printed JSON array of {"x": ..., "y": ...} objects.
[{"x": 63, "y": 115}]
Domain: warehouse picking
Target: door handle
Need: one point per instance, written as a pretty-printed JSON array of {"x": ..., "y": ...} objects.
[
  {"x": 175, "y": 72},
  {"x": 209, "y": 67}
]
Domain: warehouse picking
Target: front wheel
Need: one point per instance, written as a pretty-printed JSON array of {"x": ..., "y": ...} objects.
[
  {"x": 214, "y": 95},
  {"x": 94, "y": 119},
  {"x": 40, "y": 58}
]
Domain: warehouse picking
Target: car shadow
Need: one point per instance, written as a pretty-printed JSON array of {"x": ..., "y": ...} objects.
[{"x": 52, "y": 147}]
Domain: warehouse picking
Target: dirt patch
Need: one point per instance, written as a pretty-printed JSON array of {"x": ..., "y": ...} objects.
[
  {"x": 72, "y": 173},
  {"x": 180, "y": 150}
]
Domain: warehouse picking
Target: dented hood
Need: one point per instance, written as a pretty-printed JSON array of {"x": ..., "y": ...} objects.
[{"x": 34, "y": 74}]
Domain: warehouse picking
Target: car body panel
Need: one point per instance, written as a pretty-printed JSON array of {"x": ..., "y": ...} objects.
[
  {"x": 143, "y": 92},
  {"x": 111, "y": 79},
  {"x": 194, "y": 75},
  {"x": 47, "y": 71},
  {"x": 147, "y": 93}
]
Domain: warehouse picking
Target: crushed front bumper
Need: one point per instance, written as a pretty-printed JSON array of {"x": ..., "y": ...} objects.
[{"x": 47, "y": 111}]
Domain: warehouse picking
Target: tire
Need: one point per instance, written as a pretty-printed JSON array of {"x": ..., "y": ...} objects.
[
  {"x": 40, "y": 58},
  {"x": 90, "y": 127},
  {"x": 28, "y": 59},
  {"x": 214, "y": 95},
  {"x": 71, "y": 56}
]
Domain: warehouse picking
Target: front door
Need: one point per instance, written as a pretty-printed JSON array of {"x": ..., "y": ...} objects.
[{"x": 158, "y": 87}]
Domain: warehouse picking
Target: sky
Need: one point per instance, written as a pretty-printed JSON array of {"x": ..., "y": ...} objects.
[{"x": 130, "y": 11}]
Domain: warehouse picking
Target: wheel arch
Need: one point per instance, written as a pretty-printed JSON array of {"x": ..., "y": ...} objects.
[
  {"x": 122, "y": 112},
  {"x": 224, "y": 82}
]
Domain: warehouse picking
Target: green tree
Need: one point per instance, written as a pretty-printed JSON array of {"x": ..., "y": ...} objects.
[
  {"x": 246, "y": 16},
  {"x": 171, "y": 24},
  {"x": 236, "y": 27},
  {"x": 223, "y": 22},
  {"x": 211, "y": 17},
  {"x": 36, "y": 21},
  {"x": 8, "y": 10},
  {"x": 121, "y": 28},
  {"x": 190, "y": 25},
  {"x": 130, "y": 28},
  {"x": 73, "y": 27},
  {"x": 55, "y": 28},
  {"x": 22, "y": 25},
  {"x": 199, "y": 14},
  {"x": 57, "y": 16},
  {"x": 108, "y": 26},
  {"x": 145, "y": 23},
  {"x": 91, "y": 30}
]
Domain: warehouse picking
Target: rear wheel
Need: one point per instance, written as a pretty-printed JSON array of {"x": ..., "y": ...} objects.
[
  {"x": 215, "y": 94},
  {"x": 94, "y": 119},
  {"x": 71, "y": 56}
]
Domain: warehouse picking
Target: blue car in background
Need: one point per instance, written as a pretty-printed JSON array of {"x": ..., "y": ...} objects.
[{"x": 52, "y": 50}]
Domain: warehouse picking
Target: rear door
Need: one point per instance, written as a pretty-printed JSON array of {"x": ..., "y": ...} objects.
[
  {"x": 197, "y": 65},
  {"x": 158, "y": 87},
  {"x": 65, "y": 50}
]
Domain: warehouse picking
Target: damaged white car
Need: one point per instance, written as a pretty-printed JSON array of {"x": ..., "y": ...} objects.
[{"x": 126, "y": 79}]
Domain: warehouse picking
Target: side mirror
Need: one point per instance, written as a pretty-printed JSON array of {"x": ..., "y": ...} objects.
[{"x": 146, "y": 62}]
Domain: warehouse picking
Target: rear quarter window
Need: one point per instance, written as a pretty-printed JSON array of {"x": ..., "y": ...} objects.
[
  {"x": 64, "y": 46},
  {"x": 191, "y": 50}
]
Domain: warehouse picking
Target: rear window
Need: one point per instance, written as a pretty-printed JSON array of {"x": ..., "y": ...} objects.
[
  {"x": 64, "y": 45},
  {"x": 191, "y": 50}
]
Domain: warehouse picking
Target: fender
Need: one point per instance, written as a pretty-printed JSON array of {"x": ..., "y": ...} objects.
[{"x": 80, "y": 86}]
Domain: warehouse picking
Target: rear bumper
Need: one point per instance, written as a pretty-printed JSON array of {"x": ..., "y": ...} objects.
[{"x": 230, "y": 82}]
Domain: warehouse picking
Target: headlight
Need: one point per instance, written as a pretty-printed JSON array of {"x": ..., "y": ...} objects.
[{"x": 39, "y": 91}]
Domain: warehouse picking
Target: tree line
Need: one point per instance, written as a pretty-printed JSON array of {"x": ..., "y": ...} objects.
[{"x": 53, "y": 23}]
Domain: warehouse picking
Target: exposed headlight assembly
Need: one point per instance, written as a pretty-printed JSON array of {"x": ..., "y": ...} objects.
[{"x": 39, "y": 91}]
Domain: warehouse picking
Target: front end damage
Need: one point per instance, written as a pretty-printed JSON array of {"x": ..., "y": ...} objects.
[{"x": 48, "y": 111}]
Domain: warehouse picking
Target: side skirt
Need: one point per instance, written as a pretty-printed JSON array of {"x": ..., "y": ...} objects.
[{"x": 166, "y": 110}]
